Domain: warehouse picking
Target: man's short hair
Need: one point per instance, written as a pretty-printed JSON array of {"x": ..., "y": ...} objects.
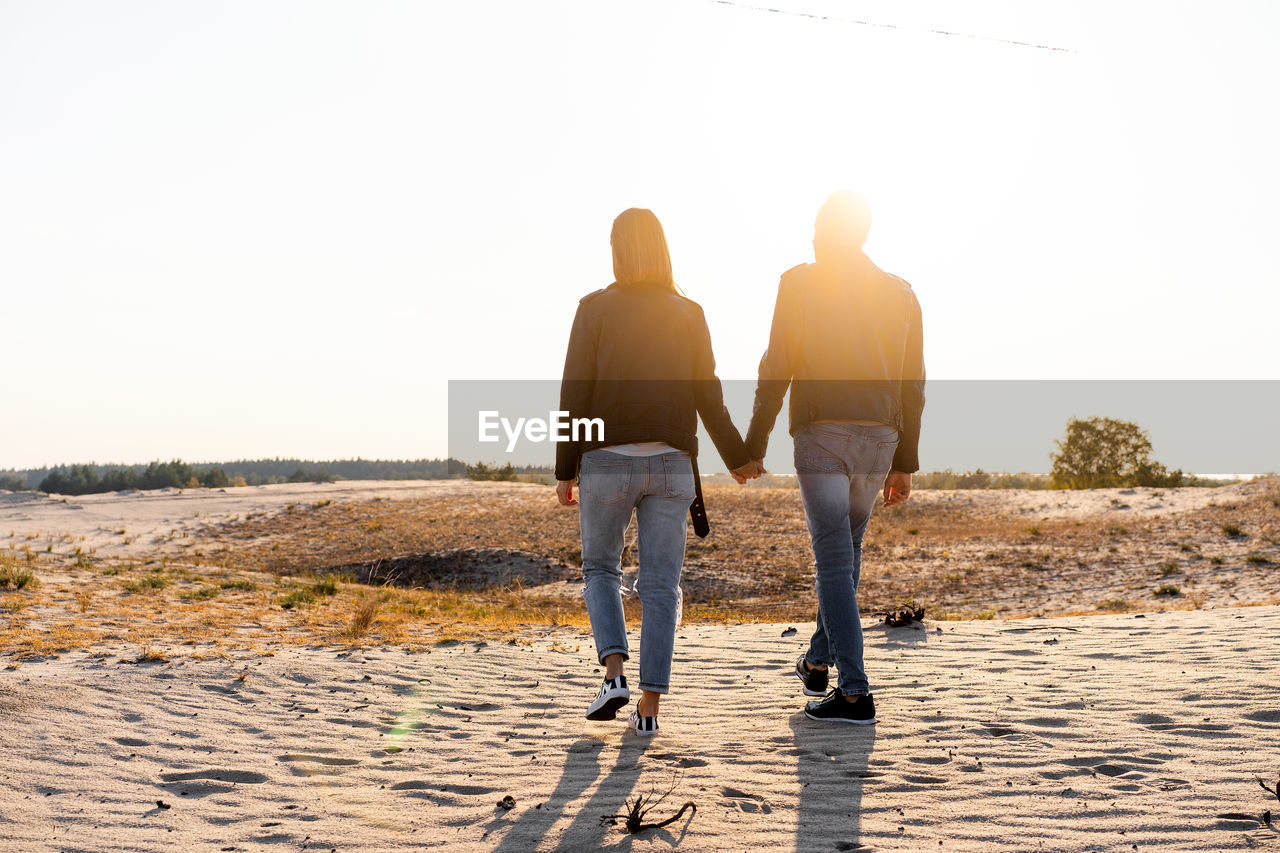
[{"x": 843, "y": 223}]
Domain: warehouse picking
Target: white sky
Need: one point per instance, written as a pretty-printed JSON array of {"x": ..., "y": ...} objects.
[{"x": 242, "y": 229}]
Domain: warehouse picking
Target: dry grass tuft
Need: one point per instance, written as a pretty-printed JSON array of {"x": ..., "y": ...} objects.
[{"x": 362, "y": 619}]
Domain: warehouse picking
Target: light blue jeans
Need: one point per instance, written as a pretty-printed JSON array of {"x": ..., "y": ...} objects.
[
  {"x": 841, "y": 467},
  {"x": 659, "y": 489}
]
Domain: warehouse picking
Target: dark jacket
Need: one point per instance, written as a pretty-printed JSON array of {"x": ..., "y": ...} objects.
[
  {"x": 847, "y": 337},
  {"x": 640, "y": 359}
]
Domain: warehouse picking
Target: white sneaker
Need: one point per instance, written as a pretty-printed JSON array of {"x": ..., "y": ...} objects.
[
  {"x": 613, "y": 695},
  {"x": 643, "y": 726}
]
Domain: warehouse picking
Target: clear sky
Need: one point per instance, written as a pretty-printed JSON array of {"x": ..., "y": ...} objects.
[{"x": 243, "y": 229}]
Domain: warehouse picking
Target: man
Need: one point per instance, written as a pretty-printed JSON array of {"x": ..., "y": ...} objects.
[{"x": 847, "y": 338}]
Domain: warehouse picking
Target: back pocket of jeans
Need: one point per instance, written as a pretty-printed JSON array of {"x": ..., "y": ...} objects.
[
  {"x": 604, "y": 482},
  {"x": 813, "y": 453},
  {"x": 679, "y": 471},
  {"x": 884, "y": 458}
]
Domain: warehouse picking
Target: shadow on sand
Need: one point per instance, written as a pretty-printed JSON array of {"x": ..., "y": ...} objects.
[
  {"x": 831, "y": 767},
  {"x": 582, "y": 768}
]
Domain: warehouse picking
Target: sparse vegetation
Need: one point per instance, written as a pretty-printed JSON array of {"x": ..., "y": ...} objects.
[
  {"x": 1230, "y": 528},
  {"x": 203, "y": 593},
  {"x": 147, "y": 582},
  {"x": 1168, "y": 589},
  {"x": 362, "y": 619},
  {"x": 15, "y": 576}
]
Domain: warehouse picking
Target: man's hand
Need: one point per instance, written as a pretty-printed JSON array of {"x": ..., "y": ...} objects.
[
  {"x": 897, "y": 488},
  {"x": 750, "y": 471},
  {"x": 564, "y": 492}
]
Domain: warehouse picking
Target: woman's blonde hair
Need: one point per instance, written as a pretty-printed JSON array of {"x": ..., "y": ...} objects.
[{"x": 640, "y": 252}]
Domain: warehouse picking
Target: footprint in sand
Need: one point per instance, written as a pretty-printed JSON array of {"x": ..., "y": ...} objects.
[
  {"x": 743, "y": 801},
  {"x": 319, "y": 759},
  {"x": 465, "y": 790},
  {"x": 234, "y": 776},
  {"x": 916, "y": 779},
  {"x": 1263, "y": 716}
]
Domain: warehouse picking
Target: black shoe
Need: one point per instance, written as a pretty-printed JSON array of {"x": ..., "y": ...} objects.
[
  {"x": 815, "y": 680},
  {"x": 613, "y": 695},
  {"x": 834, "y": 709}
]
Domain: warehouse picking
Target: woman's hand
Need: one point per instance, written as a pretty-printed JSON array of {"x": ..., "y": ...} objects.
[
  {"x": 564, "y": 492},
  {"x": 749, "y": 471}
]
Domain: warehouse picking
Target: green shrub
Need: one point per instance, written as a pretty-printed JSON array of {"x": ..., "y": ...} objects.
[
  {"x": 1168, "y": 589},
  {"x": 239, "y": 584}
]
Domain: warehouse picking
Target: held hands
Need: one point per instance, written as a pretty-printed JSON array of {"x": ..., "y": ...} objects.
[
  {"x": 897, "y": 488},
  {"x": 564, "y": 493},
  {"x": 750, "y": 471}
]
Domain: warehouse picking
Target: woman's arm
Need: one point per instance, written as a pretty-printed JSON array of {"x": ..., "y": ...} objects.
[
  {"x": 575, "y": 396},
  {"x": 709, "y": 398}
]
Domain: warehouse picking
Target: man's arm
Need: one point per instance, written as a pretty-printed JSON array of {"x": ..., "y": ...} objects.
[
  {"x": 777, "y": 367},
  {"x": 907, "y": 457}
]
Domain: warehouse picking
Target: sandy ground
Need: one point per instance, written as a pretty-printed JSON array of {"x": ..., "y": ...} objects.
[
  {"x": 1116, "y": 732},
  {"x": 136, "y": 522},
  {"x": 118, "y": 524}
]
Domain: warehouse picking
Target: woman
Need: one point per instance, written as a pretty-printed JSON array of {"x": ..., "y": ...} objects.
[{"x": 640, "y": 360}]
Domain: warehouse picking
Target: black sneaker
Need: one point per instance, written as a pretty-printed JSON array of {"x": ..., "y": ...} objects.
[
  {"x": 815, "y": 680},
  {"x": 643, "y": 726},
  {"x": 613, "y": 695},
  {"x": 834, "y": 709}
]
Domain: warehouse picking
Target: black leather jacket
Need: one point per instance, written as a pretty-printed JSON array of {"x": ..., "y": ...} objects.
[
  {"x": 640, "y": 359},
  {"x": 847, "y": 337}
]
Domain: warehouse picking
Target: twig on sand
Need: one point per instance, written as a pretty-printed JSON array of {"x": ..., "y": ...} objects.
[
  {"x": 638, "y": 808},
  {"x": 1274, "y": 790},
  {"x": 904, "y": 614}
]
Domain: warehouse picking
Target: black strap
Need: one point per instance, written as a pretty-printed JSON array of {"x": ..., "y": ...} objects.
[{"x": 698, "y": 509}]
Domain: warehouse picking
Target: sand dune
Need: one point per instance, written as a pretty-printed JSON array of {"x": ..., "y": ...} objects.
[{"x": 1114, "y": 732}]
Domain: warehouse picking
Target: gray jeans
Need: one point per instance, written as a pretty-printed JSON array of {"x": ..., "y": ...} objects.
[
  {"x": 659, "y": 490},
  {"x": 841, "y": 467}
]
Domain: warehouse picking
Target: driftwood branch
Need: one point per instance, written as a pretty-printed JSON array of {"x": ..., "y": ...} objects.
[{"x": 640, "y": 807}]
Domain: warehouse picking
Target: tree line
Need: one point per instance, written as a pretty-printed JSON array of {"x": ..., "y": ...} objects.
[
  {"x": 94, "y": 478},
  {"x": 1095, "y": 453}
]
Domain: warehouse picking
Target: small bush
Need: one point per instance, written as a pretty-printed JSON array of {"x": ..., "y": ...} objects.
[
  {"x": 1168, "y": 567},
  {"x": 1113, "y": 604},
  {"x": 297, "y": 598},
  {"x": 239, "y": 584},
  {"x": 1216, "y": 560},
  {"x": 147, "y": 582},
  {"x": 11, "y": 575},
  {"x": 363, "y": 618},
  {"x": 1168, "y": 589},
  {"x": 327, "y": 585},
  {"x": 1256, "y": 559},
  {"x": 1231, "y": 529},
  {"x": 204, "y": 593}
]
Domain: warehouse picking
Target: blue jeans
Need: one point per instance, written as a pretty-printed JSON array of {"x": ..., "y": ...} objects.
[
  {"x": 841, "y": 467},
  {"x": 659, "y": 489}
]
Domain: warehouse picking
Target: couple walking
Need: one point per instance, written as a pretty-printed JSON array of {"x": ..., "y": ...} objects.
[{"x": 846, "y": 338}]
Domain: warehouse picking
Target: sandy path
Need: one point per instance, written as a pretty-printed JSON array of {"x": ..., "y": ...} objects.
[{"x": 1096, "y": 733}]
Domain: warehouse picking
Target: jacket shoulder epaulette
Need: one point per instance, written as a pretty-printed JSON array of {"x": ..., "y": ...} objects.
[{"x": 592, "y": 295}]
